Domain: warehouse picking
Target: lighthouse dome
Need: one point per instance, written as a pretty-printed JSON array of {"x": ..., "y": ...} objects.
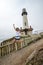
[{"x": 24, "y": 12}]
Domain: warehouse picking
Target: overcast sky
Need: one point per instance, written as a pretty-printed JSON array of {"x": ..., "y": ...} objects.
[{"x": 10, "y": 12}]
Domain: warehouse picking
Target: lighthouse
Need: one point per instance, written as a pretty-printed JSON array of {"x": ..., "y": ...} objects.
[
  {"x": 26, "y": 28},
  {"x": 25, "y": 20}
]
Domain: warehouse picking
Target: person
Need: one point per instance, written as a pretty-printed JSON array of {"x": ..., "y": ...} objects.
[{"x": 17, "y": 35}]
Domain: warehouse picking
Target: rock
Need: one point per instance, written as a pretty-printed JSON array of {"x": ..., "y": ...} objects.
[{"x": 37, "y": 57}]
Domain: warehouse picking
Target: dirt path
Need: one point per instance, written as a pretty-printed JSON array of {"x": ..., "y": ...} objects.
[{"x": 19, "y": 57}]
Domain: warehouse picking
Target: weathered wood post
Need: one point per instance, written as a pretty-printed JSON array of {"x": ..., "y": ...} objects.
[{"x": 16, "y": 46}]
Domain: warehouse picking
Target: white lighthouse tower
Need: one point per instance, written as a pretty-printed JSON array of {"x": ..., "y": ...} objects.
[
  {"x": 25, "y": 20},
  {"x": 26, "y": 28}
]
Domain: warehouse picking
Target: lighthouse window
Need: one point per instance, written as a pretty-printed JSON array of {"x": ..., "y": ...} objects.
[{"x": 25, "y": 23}]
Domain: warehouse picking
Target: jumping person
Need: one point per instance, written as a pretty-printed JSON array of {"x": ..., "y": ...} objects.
[{"x": 17, "y": 36}]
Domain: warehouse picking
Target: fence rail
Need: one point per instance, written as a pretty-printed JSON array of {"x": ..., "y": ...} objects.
[{"x": 13, "y": 46}]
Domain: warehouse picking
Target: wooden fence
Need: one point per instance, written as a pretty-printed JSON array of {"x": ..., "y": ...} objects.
[{"x": 11, "y": 46}]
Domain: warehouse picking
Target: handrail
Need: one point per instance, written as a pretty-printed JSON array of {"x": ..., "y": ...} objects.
[{"x": 10, "y": 46}]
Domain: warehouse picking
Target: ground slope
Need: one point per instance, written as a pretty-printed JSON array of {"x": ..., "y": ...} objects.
[{"x": 19, "y": 57}]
